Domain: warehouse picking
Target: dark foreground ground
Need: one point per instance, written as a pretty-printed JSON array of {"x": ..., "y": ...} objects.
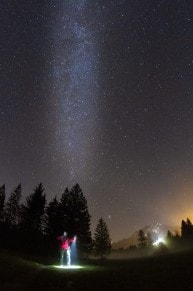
[{"x": 166, "y": 272}]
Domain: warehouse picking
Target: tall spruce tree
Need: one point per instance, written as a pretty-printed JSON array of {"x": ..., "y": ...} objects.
[
  {"x": 53, "y": 219},
  {"x": 70, "y": 214},
  {"x": 12, "y": 208},
  {"x": 2, "y": 203},
  {"x": 79, "y": 219},
  {"x": 183, "y": 229},
  {"x": 142, "y": 241},
  {"x": 2, "y": 216},
  {"x": 187, "y": 231},
  {"x": 171, "y": 239},
  {"x": 102, "y": 241},
  {"x": 32, "y": 212}
]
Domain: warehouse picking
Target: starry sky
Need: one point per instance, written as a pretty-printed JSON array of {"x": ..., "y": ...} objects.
[{"x": 100, "y": 93}]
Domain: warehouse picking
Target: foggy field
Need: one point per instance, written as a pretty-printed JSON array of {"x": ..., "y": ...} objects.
[{"x": 167, "y": 272}]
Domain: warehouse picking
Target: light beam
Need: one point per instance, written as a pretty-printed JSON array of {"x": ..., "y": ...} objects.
[
  {"x": 159, "y": 241},
  {"x": 69, "y": 267}
]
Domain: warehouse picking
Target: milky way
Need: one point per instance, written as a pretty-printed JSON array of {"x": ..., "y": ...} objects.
[{"x": 75, "y": 83}]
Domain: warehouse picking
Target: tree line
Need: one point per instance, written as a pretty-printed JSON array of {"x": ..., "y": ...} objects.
[
  {"x": 172, "y": 240},
  {"x": 183, "y": 240},
  {"x": 34, "y": 225}
]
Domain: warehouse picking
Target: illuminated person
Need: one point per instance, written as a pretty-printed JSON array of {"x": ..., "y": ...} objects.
[{"x": 65, "y": 248}]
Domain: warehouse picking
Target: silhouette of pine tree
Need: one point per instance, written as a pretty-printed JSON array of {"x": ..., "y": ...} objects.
[
  {"x": 32, "y": 212},
  {"x": 2, "y": 217},
  {"x": 102, "y": 242},
  {"x": 75, "y": 218},
  {"x": 2, "y": 203},
  {"x": 187, "y": 232},
  {"x": 52, "y": 219},
  {"x": 79, "y": 219},
  {"x": 142, "y": 241},
  {"x": 12, "y": 208}
]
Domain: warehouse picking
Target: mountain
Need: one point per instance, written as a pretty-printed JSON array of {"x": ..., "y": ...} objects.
[{"x": 156, "y": 230}]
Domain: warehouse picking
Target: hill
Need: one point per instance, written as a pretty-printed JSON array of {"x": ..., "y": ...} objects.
[{"x": 156, "y": 230}]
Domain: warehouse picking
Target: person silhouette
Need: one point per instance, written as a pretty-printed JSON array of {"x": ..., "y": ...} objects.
[{"x": 65, "y": 248}]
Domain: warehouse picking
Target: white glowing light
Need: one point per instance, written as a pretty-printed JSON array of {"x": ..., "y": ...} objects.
[
  {"x": 158, "y": 241},
  {"x": 69, "y": 267}
]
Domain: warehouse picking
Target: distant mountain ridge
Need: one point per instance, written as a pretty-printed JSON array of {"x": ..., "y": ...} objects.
[{"x": 155, "y": 229}]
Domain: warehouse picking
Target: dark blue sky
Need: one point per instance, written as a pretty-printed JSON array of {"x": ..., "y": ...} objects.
[{"x": 100, "y": 93}]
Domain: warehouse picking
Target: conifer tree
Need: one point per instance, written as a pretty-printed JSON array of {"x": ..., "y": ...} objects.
[
  {"x": 102, "y": 241},
  {"x": 65, "y": 212},
  {"x": 32, "y": 213},
  {"x": 70, "y": 214},
  {"x": 2, "y": 202},
  {"x": 142, "y": 241},
  {"x": 79, "y": 219},
  {"x": 187, "y": 231},
  {"x": 170, "y": 239},
  {"x": 12, "y": 208},
  {"x": 53, "y": 219},
  {"x": 2, "y": 216},
  {"x": 169, "y": 236}
]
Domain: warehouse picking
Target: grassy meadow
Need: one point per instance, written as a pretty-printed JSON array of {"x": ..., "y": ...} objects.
[{"x": 165, "y": 272}]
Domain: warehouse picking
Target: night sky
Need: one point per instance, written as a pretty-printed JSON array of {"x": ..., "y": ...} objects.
[{"x": 100, "y": 93}]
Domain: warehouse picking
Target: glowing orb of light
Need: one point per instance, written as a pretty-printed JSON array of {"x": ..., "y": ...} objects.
[
  {"x": 158, "y": 241},
  {"x": 69, "y": 267}
]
